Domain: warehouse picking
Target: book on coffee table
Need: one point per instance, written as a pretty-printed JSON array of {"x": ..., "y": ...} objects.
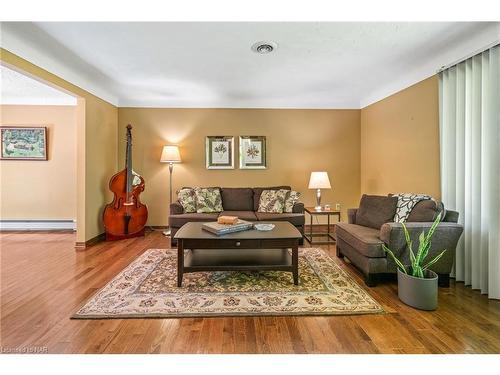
[{"x": 220, "y": 229}]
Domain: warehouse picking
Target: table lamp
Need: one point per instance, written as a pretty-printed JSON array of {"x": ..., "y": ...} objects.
[
  {"x": 318, "y": 181},
  {"x": 170, "y": 154}
]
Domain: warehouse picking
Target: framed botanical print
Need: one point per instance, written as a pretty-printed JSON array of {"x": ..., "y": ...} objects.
[
  {"x": 253, "y": 152},
  {"x": 219, "y": 152},
  {"x": 23, "y": 143}
]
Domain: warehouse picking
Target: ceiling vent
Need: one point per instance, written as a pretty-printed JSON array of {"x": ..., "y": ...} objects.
[{"x": 264, "y": 48}]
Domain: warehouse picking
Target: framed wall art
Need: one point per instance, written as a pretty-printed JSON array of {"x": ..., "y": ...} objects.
[
  {"x": 23, "y": 143},
  {"x": 253, "y": 152},
  {"x": 219, "y": 152}
]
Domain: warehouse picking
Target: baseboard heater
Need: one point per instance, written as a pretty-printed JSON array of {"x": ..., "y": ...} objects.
[{"x": 37, "y": 225}]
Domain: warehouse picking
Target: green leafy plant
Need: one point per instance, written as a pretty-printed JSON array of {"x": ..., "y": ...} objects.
[{"x": 418, "y": 260}]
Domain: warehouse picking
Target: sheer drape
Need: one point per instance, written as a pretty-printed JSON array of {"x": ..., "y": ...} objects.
[{"x": 469, "y": 104}]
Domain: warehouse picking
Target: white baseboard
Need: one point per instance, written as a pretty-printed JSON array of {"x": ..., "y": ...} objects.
[{"x": 37, "y": 224}]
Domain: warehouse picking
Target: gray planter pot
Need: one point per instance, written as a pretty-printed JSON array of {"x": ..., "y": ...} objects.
[{"x": 417, "y": 292}]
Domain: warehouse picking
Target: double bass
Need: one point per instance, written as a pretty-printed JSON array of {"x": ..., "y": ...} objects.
[{"x": 125, "y": 216}]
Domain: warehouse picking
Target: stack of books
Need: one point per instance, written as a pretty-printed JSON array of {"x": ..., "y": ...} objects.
[{"x": 220, "y": 229}]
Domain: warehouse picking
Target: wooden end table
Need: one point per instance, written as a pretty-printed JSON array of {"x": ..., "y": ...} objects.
[{"x": 329, "y": 235}]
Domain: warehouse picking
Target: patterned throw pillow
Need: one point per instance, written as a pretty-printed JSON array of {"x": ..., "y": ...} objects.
[
  {"x": 272, "y": 201},
  {"x": 292, "y": 197},
  {"x": 187, "y": 199},
  {"x": 208, "y": 200}
]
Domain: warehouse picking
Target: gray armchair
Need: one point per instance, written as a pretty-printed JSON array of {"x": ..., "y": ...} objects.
[{"x": 363, "y": 245}]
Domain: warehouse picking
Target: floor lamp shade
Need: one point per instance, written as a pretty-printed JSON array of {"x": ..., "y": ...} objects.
[{"x": 170, "y": 154}]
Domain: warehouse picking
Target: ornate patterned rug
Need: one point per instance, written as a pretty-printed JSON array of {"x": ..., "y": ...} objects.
[{"x": 147, "y": 289}]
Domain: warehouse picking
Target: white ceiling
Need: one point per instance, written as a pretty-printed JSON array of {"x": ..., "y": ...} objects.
[
  {"x": 316, "y": 65},
  {"x": 17, "y": 88}
]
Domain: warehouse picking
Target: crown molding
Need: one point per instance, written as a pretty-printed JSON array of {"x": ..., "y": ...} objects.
[{"x": 240, "y": 104}]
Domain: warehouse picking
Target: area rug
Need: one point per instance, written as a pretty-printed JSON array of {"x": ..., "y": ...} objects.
[{"x": 147, "y": 289}]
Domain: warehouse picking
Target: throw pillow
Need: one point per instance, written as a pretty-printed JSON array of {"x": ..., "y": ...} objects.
[
  {"x": 292, "y": 197},
  {"x": 257, "y": 191},
  {"x": 424, "y": 211},
  {"x": 187, "y": 199},
  {"x": 406, "y": 204},
  {"x": 375, "y": 210},
  {"x": 272, "y": 201},
  {"x": 208, "y": 200}
]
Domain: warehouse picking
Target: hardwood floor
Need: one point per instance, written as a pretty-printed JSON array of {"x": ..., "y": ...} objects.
[{"x": 44, "y": 281}]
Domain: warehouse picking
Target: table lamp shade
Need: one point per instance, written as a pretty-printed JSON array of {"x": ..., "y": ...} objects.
[
  {"x": 170, "y": 154},
  {"x": 319, "y": 180}
]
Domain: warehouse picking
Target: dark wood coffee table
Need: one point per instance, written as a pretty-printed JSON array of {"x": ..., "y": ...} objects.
[{"x": 250, "y": 250}]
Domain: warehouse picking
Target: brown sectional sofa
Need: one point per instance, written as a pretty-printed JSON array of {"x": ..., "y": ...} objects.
[
  {"x": 241, "y": 202},
  {"x": 362, "y": 244}
]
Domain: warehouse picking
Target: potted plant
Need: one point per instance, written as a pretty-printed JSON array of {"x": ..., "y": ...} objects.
[{"x": 417, "y": 284}]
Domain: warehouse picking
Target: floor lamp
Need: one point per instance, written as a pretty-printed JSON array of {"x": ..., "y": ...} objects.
[{"x": 170, "y": 155}]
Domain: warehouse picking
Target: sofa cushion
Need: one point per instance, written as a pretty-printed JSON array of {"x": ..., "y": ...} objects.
[
  {"x": 375, "y": 210},
  {"x": 272, "y": 201},
  {"x": 424, "y": 211},
  {"x": 258, "y": 191},
  {"x": 298, "y": 208},
  {"x": 176, "y": 208},
  {"x": 237, "y": 199},
  {"x": 243, "y": 215},
  {"x": 187, "y": 199},
  {"x": 178, "y": 221},
  {"x": 364, "y": 239},
  {"x": 292, "y": 218},
  {"x": 208, "y": 200}
]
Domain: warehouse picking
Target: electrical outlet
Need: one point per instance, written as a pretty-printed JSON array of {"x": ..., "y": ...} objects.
[{"x": 337, "y": 207}]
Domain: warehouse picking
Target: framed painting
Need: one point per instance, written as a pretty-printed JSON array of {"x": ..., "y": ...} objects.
[
  {"x": 253, "y": 152},
  {"x": 219, "y": 152},
  {"x": 23, "y": 143}
]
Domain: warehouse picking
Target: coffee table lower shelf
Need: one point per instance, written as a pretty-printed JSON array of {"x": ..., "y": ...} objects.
[
  {"x": 202, "y": 260},
  {"x": 252, "y": 250}
]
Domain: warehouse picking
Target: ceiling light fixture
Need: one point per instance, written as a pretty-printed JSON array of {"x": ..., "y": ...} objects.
[{"x": 264, "y": 48}]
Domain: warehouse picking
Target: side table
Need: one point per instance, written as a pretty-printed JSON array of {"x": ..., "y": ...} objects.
[{"x": 329, "y": 235}]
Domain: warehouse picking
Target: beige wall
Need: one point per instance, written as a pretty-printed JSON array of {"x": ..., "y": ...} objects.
[
  {"x": 96, "y": 147},
  {"x": 298, "y": 142},
  {"x": 392, "y": 145},
  {"x": 400, "y": 142},
  {"x": 41, "y": 189}
]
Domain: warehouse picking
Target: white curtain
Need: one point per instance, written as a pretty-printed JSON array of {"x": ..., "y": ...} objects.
[{"x": 469, "y": 116}]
